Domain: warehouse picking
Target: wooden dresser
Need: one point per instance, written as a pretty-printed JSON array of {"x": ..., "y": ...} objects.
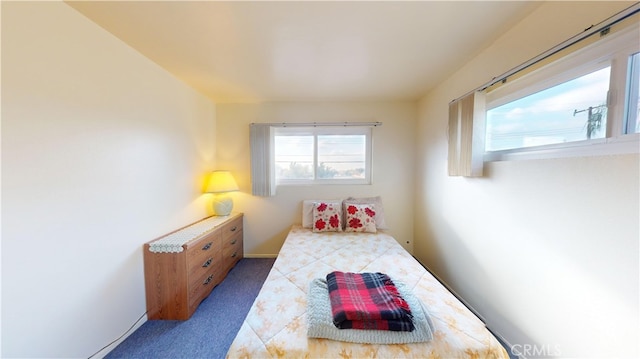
[{"x": 182, "y": 267}]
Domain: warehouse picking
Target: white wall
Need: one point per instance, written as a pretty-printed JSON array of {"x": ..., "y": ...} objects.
[
  {"x": 268, "y": 219},
  {"x": 546, "y": 250},
  {"x": 102, "y": 150}
]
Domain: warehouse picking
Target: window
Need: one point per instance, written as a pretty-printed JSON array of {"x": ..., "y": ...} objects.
[
  {"x": 322, "y": 155},
  {"x": 632, "y": 98},
  {"x": 584, "y": 95},
  {"x": 574, "y": 110},
  {"x": 309, "y": 153}
]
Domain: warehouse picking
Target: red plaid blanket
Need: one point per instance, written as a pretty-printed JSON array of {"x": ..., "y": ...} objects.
[{"x": 367, "y": 301}]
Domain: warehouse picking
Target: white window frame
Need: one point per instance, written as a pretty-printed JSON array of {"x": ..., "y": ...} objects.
[
  {"x": 320, "y": 131},
  {"x": 614, "y": 50}
]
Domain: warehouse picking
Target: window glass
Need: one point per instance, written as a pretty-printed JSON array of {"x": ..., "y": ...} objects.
[
  {"x": 574, "y": 110},
  {"x": 294, "y": 157},
  {"x": 341, "y": 156},
  {"x": 322, "y": 155},
  {"x": 633, "y": 95}
]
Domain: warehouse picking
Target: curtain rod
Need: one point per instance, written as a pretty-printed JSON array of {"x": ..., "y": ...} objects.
[
  {"x": 318, "y": 124},
  {"x": 593, "y": 29}
]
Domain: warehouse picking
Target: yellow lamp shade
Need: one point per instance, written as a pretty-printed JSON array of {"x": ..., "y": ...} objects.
[{"x": 221, "y": 182}]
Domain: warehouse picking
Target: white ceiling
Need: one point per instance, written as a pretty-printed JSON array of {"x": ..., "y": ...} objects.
[{"x": 308, "y": 51}]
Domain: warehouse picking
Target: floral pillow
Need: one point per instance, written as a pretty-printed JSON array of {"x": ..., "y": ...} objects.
[
  {"x": 360, "y": 218},
  {"x": 377, "y": 203},
  {"x": 327, "y": 217}
]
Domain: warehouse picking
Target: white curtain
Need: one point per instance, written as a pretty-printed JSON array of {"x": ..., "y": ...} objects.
[
  {"x": 466, "y": 135},
  {"x": 262, "y": 178}
]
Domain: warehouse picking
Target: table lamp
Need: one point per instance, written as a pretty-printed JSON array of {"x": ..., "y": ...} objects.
[{"x": 220, "y": 183}]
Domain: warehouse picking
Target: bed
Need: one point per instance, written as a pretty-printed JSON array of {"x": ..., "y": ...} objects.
[{"x": 276, "y": 325}]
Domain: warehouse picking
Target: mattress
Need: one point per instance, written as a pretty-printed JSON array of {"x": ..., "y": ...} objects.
[{"x": 276, "y": 325}]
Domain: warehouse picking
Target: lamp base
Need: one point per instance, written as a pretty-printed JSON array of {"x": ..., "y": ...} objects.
[{"x": 222, "y": 205}]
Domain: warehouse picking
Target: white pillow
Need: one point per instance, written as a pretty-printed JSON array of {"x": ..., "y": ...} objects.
[
  {"x": 307, "y": 209},
  {"x": 377, "y": 202}
]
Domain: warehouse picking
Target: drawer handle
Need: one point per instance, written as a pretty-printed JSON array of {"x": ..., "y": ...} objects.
[
  {"x": 207, "y": 246},
  {"x": 234, "y": 241},
  {"x": 234, "y": 254},
  {"x": 233, "y": 229},
  {"x": 207, "y": 263},
  {"x": 208, "y": 280}
]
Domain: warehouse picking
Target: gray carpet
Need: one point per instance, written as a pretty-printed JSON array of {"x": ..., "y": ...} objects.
[{"x": 211, "y": 329}]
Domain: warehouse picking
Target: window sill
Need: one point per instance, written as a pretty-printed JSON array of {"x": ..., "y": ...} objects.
[
  {"x": 626, "y": 144},
  {"x": 323, "y": 182}
]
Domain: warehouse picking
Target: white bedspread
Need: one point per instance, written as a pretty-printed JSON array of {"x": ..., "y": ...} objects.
[{"x": 276, "y": 326}]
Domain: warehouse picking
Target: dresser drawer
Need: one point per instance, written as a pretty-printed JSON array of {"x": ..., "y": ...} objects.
[
  {"x": 203, "y": 254},
  {"x": 232, "y": 248},
  {"x": 231, "y": 228},
  {"x": 202, "y": 286},
  {"x": 232, "y": 251},
  {"x": 197, "y": 268},
  {"x": 204, "y": 248}
]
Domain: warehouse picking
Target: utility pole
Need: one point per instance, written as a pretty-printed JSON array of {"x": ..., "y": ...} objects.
[{"x": 594, "y": 120}]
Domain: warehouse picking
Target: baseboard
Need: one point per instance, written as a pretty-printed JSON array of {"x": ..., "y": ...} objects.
[
  {"x": 260, "y": 255},
  {"x": 106, "y": 350},
  {"x": 475, "y": 312},
  {"x": 466, "y": 304},
  {"x": 504, "y": 342}
]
